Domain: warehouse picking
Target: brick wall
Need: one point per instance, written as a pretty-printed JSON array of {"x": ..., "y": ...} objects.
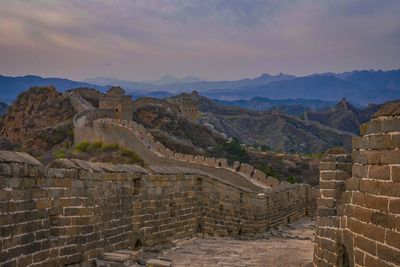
[
  {"x": 358, "y": 221},
  {"x": 72, "y": 210}
]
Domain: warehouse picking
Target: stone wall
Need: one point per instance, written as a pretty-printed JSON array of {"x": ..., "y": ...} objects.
[
  {"x": 72, "y": 211},
  {"x": 91, "y": 127},
  {"x": 358, "y": 216},
  {"x": 79, "y": 103}
]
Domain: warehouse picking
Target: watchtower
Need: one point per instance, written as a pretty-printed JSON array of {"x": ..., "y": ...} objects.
[
  {"x": 116, "y": 100},
  {"x": 188, "y": 107}
]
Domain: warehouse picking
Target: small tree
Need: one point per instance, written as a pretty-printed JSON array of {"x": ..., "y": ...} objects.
[{"x": 292, "y": 179}]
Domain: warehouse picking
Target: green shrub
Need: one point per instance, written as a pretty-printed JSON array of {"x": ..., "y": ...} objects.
[
  {"x": 83, "y": 146},
  {"x": 132, "y": 156},
  {"x": 97, "y": 145},
  {"x": 59, "y": 154},
  {"x": 268, "y": 170},
  {"x": 110, "y": 147},
  {"x": 231, "y": 150},
  {"x": 292, "y": 179}
]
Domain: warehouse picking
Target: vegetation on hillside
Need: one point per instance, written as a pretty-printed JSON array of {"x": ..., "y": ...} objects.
[
  {"x": 98, "y": 151},
  {"x": 232, "y": 150}
]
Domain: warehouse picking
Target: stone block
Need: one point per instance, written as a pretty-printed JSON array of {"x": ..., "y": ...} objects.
[
  {"x": 370, "y": 186},
  {"x": 327, "y": 166},
  {"x": 324, "y": 212},
  {"x": 359, "y": 170},
  {"x": 389, "y": 157},
  {"x": 158, "y": 263},
  {"x": 44, "y": 204},
  {"x": 367, "y": 156},
  {"x": 379, "y": 172},
  {"x": 390, "y": 125},
  {"x": 360, "y": 142},
  {"x": 388, "y": 254},
  {"x": 384, "y": 220},
  {"x": 395, "y": 174},
  {"x": 390, "y": 189},
  {"x": 352, "y": 184},
  {"x": 359, "y": 257},
  {"x": 365, "y": 245},
  {"x": 394, "y": 206},
  {"x": 370, "y": 127},
  {"x": 393, "y": 239},
  {"x": 375, "y": 202},
  {"x": 362, "y": 214},
  {"x": 373, "y": 232}
]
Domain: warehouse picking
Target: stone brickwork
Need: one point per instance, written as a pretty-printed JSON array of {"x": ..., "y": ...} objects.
[
  {"x": 72, "y": 211},
  {"x": 358, "y": 215}
]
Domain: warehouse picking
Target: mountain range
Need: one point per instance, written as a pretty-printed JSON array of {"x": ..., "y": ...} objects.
[
  {"x": 359, "y": 86},
  {"x": 289, "y": 106},
  {"x": 10, "y": 87}
]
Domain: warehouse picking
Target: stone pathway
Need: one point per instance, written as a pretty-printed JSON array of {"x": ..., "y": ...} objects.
[
  {"x": 284, "y": 247},
  {"x": 288, "y": 246}
]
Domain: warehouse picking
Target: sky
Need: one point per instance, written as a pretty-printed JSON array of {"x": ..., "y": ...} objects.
[{"x": 212, "y": 39}]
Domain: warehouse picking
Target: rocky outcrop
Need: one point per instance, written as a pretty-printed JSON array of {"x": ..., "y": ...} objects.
[{"x": 33, "y": 113}]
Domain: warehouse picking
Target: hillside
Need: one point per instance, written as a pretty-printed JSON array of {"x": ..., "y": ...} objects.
[
  {"x": 344, "y": 116},
  {"x": 180, "y": 135},
  {"x": 175, "y": 132},
  {"x": 281, "y": 165},
  {"x": 277, "y": 131},
  {"x": 288, "y": 106},
  {"x": 39, "y": 119}
]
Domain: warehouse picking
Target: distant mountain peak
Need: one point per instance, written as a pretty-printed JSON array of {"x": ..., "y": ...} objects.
[
  {"x": 344, "y": 105},
  {"x": 265, "y": 75}
]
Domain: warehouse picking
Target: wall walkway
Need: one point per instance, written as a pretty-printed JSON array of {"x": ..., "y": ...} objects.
[{"x": 72, "y": 211}]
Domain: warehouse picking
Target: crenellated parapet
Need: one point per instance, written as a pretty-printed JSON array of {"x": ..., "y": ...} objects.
[{"x": 71, "y": 211}]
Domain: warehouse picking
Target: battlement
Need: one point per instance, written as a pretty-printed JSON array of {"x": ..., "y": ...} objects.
[{"x": 71, "y": 211}]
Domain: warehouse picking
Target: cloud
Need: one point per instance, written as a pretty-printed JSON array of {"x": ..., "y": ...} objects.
[{"x": 216, "y": 39}]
